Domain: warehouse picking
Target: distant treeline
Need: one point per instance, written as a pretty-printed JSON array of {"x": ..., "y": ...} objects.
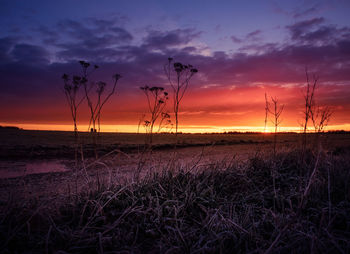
[{"x": 10, "y": 128}]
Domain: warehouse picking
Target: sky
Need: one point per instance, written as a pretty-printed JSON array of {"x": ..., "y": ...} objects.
[{"x": 242, "y": 50}]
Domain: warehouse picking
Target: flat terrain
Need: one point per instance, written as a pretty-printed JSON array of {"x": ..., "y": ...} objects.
[
  {"x": 41, "y": 163},
  {"x": 214, "y": 193}
]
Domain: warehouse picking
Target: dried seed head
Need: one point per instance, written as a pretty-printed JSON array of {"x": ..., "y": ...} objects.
[
  {"x": 83, "y": 80},
  {"x": 178, "y": 67},
  {"x": 100, "y": 87},
  {"x": 76, "y": 80},
  {"x": 65, "y": 77},
  {"x": 117, "y": 76},
  {"x": 67, "y": 88}
]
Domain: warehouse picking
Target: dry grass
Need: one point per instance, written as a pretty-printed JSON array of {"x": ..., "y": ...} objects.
[{"x": 225, "y": 207}]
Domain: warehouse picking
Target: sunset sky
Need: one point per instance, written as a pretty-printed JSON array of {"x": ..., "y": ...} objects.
[{"x": 242, "y": 49}]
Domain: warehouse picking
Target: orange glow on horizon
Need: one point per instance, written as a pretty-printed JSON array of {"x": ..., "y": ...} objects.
[{"x": 184, "y": 129}]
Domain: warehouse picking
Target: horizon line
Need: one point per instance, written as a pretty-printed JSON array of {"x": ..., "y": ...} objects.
[{"x": 190, "y": 129}]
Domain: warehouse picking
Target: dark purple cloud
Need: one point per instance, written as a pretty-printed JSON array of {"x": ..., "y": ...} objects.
[
  {"x": 6, "y": 44},
  {"x": 94, "y": 33},
  {"x": 307, "y": 9},
  {"x": 253, "y": 35},
  {"x": 315, "y": 31},
  {"x": 235, "y": 39},
  {"x": 31, "y": 54},
  {"x": 305, "y": 12},
  {"x": 302, "y": 27},
  {"x": 161, "y": 40}
]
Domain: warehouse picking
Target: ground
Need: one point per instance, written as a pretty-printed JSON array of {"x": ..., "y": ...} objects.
[
  {"x": 212, "y": 193},
  {"x": 41, "y": 164}
]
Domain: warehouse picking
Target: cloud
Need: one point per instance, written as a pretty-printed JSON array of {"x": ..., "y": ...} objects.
[
  {"x": 30, "y": 76},
  {"x": 94, "y": 33},
  {"x": 30, "y": 54},
  {"x": 253, "y": 35},
  {"x": 306, "y": 9},
  {"x": 305, "y": 12},
  {"x": 314, "y": 31},
  {"x": 6, "y": 45},
  {"x": 177, "y": 37},
  {"x": 300, "y": 28},
  {"x": 235, "y": 39}
]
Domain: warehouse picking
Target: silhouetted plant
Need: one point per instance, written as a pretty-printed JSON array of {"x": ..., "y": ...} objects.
[
  {"x": 95, "y": 107},
  {"x": 319, "y": 116},
  {"x": 141, "y": 120},
  {"x": 71, "y": 90},
  {"x": 179, "y": 76},
  {"x": 266, "y": 111},
  {"x": 308, "y": 106},
  {"x": 156, "y": 100},
  {"x": 276, "y": 112},
  {"x": 165, "y": 121}
]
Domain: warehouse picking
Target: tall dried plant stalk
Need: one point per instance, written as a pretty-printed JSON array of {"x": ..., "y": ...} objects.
[
  {"x": 156, "y": 101},
  {"x": 96, "y": 107},
  {"x": 308, "y": 106},
  {"x": 179, "y": 76},
  {"x": 71, "y": 90},
  {"x": 276, "y": 112},
  {"x": 266, "y": 112}
]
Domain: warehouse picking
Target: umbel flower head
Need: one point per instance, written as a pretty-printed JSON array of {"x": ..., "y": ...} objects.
[
  {"x": 178, "y": 67},
  {"x": 84, "y": 64},
  {"x": 65, "y": 77},
  {"x": 76, "y": 80},
  {"x": 100, "y": 87},
  {"x": 117, "y": 76}
]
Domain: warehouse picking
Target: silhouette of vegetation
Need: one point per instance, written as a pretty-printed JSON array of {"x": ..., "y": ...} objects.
[
  {"x": 308, "y": 106},
  {"x": 71, "y": 90},
  {"x": 179, "y": 76},
  {"x": 226, "y": 208},
  {"x": 318, "y": 115},
  {"x": 96, "y": 106},
  {"x": 266, "y": 111},
  {"x": 156, "y": 102},
  {"x": 276, "y": 112},
  {"x": 165, "y": 122}
]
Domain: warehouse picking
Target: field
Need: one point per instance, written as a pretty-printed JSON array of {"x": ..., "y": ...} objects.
[{"x": 212, "y": 193}]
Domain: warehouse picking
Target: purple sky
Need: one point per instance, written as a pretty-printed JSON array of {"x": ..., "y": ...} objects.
[{"x": 243, "y": 45}]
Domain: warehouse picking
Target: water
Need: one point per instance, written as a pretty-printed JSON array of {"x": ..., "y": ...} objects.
[{"x": 20, "y": 169}]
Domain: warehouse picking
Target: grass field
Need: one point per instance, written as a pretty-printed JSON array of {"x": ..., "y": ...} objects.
[{"x": 215, "y": 193}]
